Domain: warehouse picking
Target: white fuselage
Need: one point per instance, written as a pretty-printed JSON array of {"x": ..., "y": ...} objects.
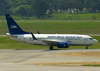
[{"x": 42, "y": 39}]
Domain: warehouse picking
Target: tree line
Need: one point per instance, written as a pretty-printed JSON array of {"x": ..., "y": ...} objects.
[{"x": 40, "y": 8}]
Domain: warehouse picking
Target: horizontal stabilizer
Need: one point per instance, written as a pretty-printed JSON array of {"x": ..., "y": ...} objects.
[{"x": 38, "y": 32}]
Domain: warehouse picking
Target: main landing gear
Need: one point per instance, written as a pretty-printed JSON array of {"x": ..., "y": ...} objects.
[{"x": 51, "y": 47}]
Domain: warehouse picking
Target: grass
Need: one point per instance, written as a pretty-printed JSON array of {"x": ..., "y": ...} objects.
[
  {"x": 6, "y": 43},
  {"x": 65, "y": 16},
  {"x": 92, "y": 65},
  {"x": 56, "y": 27},
  {"x": 61, "y": 16}
]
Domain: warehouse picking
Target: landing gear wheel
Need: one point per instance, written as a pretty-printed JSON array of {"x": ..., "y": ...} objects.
[
  {"x": 51, "y": 48},
  {"x": 86, "y": 47}
]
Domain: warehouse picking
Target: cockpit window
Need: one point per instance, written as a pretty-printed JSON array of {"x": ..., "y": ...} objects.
[{"x": 91, "y": 38}]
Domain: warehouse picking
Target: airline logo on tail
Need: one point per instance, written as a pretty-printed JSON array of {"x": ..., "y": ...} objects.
[{"x": 13, "y": 26}]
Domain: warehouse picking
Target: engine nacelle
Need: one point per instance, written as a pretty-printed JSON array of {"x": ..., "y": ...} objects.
[{"x": 63, "y": 45}]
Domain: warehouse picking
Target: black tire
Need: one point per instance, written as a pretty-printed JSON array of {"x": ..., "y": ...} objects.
[
  {"x": 86, "y": 47},
  {"x": 51, "y": 48}
]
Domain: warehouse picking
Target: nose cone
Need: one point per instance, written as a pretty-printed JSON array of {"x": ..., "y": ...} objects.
[{"x": 95, "y": 41}]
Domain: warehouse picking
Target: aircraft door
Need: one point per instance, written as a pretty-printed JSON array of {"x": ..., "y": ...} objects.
[{"x": 85, "y": 40}]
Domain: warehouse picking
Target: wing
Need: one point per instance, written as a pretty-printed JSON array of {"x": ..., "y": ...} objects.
[
  {"x": 52, "y": 41},
  {"x": 49, "y": 41}
]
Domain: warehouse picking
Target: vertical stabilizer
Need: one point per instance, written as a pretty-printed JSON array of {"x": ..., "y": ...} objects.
[{"x": 13, "y": 27}]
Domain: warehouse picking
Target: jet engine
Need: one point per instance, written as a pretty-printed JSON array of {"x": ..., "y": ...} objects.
[{"x": 63, "y": 45}]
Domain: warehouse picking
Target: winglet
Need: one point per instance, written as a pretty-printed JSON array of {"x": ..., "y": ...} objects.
[
  {"x": 33, "y": 37},
  {"x": 13, "y": 27}
]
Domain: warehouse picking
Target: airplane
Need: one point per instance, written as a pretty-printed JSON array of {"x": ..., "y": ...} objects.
[{"x": 59, "y": 40}]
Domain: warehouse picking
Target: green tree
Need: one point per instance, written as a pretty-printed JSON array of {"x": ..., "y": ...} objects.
[
  {"x": 62, "y": 4},
  {"x": 39, "y": 8},
  {"x": 4, "y": 7},
  {"x": 22, "y": 10},
  {"x": 91, "y": 4},
  {"x": 98, "y": 5},
  {"x": 17, "y": 5}
]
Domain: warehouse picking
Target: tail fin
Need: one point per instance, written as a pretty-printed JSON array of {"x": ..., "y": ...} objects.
[{"x": 13, "y": 27}]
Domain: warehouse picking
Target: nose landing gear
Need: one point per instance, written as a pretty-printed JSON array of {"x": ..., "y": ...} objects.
[{"x": 86, "y": 47}]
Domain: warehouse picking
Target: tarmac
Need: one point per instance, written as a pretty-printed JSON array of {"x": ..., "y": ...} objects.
[{"x": 46, "y": 60}]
